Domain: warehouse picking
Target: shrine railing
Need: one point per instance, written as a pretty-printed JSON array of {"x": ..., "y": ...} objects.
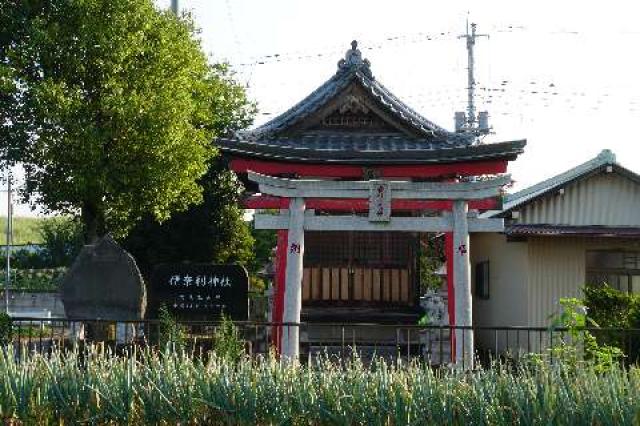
[{"x": 432, "y": 344}]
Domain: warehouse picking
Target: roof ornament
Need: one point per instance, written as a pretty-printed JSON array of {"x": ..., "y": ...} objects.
[
  {"x": 607, "y": 156},
  {"x": 353, "y": 61}
]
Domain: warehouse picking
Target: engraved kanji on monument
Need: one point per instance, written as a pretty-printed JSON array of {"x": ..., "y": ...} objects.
[{"x": 200, "y": 291}]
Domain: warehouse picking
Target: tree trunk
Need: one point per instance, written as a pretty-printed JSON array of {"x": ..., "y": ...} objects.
[{"x": 93, "y": 220}]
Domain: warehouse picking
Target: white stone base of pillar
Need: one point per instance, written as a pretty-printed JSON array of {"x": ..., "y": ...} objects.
[
  {"x": 77, "y": 331},
  {"x": 125, "y": 333}
]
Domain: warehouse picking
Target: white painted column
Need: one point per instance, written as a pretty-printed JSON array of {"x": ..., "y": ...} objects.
[
  {"x": 77, "y": 330},
  {"x": 293, "y": 280},
  {"x": 125, "y": 332},
  {"x": 462, "y": 285}
]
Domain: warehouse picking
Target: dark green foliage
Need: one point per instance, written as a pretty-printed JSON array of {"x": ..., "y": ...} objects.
[
  {"x": 581, "y": 343},
  {"x": 265, "y": 242},
  {"x": 35, "y": 280},
  {"x": 62, "y": 241},
  {"x": 611, "y": 308},
  {"x": 25, "y": 259},
  {"x": 213, "y": 231},
  {"x": 227, "y": 343},
  {"x": 6, "y": 329},
  {"x": 111, "y": 106},
  {"x": 170, "y": 332},
  {"x": 430, "y": 259}
]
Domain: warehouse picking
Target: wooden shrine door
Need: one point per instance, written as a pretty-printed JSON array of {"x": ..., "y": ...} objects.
[{"x": 360, "y": 269}]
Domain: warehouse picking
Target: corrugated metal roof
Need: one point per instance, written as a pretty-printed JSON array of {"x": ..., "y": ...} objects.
[
  {"x": 596, "y": 165},
  {"x": 570, "y": 231}
]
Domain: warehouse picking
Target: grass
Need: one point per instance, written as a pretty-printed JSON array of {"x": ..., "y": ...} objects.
[
  {"x": 147, "y": 387},
  {"x": 26, "y": 230}
]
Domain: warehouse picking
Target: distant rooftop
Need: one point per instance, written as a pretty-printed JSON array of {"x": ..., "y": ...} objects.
[{"x": 595, "y": 165}]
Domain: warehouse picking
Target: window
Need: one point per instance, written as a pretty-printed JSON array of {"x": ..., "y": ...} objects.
[
  {"x": 482, "y": 280},
  {"x": 618, "y": 269}
]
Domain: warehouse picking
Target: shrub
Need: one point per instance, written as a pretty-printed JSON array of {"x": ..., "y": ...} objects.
[
  {"x": 171, "y": 333},
  {"x": 227, "y": 343},
  {"x": 6, "y": 329},
  {"x": 35, "y": 280},
  {"x": 611, "y": 308},
  {"x": 25, "y": 258},
  {"x": 573, "y": 317}
]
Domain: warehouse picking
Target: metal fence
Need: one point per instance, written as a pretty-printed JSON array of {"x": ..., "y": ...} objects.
[{"x": 433, "y": 344}]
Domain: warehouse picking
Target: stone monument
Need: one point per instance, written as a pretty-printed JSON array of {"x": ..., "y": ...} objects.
[{"x": 104, "y": 282}]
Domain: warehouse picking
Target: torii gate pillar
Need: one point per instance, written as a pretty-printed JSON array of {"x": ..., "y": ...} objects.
[
  {"x": 293, "y": 281},
  {"x": 462, "y": 285}
]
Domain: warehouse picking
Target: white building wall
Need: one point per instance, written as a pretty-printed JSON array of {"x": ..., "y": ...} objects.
[
  {"x": 606, "y": 199},
  {"x": 507, "y": 302}
]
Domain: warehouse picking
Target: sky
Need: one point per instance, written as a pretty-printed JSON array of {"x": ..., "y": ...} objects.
[{"x": 561, "y": 74}]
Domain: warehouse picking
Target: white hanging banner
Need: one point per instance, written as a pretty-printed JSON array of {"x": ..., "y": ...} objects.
[{"x": 379, "y": 201}]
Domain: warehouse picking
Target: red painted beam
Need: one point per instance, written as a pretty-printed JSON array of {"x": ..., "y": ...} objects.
[
  {"x": 451, "y": 295},
  {"x": 474, "y": 168},
  {"x": 241, "y": 165},
  {"x": 277, "y": 308},
  {"x": 265, "y": 202},
  {"x": 362, "y": 205}
]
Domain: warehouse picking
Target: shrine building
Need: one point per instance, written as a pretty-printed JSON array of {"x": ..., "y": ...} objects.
[{"x": 357, "y": 176}]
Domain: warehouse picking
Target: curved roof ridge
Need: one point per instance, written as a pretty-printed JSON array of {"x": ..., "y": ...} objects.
[
  {"x": 429, "y": 124},
  {"x": 352, "y": 67}
]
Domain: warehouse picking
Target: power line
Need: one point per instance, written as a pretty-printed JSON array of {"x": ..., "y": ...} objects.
[{"x": 338, "y": 49}]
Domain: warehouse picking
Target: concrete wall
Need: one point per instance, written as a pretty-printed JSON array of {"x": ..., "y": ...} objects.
[
  {"x": 507, "y": 302},
  {"x": 34, "y": 304},
  {"x": 606, "y": 199},
  {"x": 508, "y": 264}
]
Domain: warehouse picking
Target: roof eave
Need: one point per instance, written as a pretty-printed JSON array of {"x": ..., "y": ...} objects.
[{"x": 504, "y": 150}]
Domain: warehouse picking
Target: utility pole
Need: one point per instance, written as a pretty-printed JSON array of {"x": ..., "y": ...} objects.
[
  {"x": 9, "y": 241},
  {"x": 471, "y": 123},
  {"x": 175, "y": 7}
]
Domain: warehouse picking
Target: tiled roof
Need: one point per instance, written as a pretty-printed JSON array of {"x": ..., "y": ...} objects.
[
  {"x": 524, "y": 230},
  {"x": 421, "y": 141},
  {"x": 355, "y": 149},
  {"x": 352, "y": 68}
]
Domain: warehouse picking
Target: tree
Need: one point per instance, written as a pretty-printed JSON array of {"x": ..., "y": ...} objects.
[
  {"x": 213, "y": 231},
  {"x": 265, "y": 242},
  {"x": 61, "y": 240},
  {"x": 111, "y": 106}
]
